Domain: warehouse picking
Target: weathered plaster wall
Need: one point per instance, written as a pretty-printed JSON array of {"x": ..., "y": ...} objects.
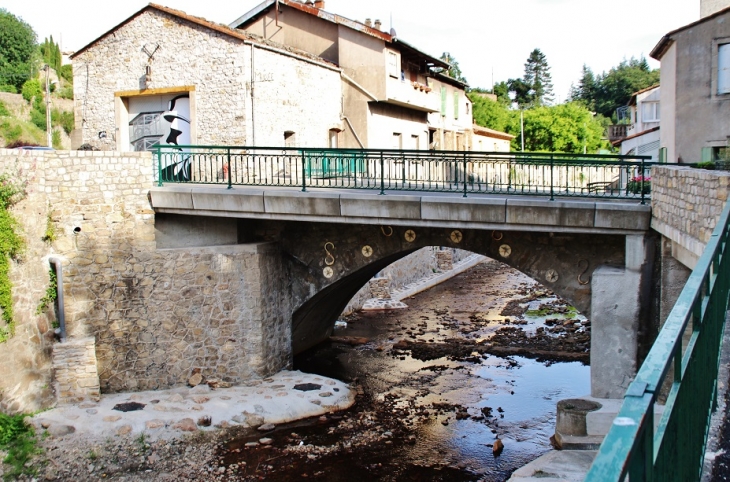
[
  {"x": 154, "y": 314},
  {"x": 686, "y": 204}
]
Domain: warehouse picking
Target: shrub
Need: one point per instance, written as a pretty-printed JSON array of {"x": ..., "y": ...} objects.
[
  {"x": 67, "y": 72},
  {"x": 56, "y": 139},
  {"x": 635, "y": 184},
  {"x": 66, "y": 120},
  {"x": 38, "y": 118},
  {"x": 8, "y": 88},
  {"x": 710, "y": 165},
  {"x": 3, "y": 109},
  {"x": 31, "y": 89},
  {"x": 67, "y": 92}
]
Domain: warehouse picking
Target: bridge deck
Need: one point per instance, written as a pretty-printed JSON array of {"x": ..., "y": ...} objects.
[{"x": 423, "y": 209}]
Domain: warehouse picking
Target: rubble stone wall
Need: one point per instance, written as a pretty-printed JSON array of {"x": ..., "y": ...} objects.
[
  {"x": 155, "y": 315},
  {"x": 686, "y": 203}
]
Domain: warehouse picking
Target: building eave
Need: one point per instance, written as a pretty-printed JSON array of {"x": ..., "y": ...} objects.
[{"x": 666, "y": 41}]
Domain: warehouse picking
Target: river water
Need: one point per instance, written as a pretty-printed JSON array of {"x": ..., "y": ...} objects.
[{"x": 439, "y": 383}]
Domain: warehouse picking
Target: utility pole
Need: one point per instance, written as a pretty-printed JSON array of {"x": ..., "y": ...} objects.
[
  {"x": 522, "y": 129},
  {"x": 49, "y": 140}
]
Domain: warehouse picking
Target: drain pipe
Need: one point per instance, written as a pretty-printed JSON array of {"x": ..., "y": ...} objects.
[{"x": 59, "y": 296}]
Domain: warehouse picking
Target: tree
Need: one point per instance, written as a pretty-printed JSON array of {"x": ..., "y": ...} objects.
[
  {"x": 538, "y": 79},
  {"x": 491, "y": 114},
  {"x": 568, "y": 127},
  {"x": 17, "y": 47},
  {"x": 613, "y": 89},
  {"x": 453, "y": 71},
  {"x": 586, "y": 90},
  {"x": 51, "y": 53}
]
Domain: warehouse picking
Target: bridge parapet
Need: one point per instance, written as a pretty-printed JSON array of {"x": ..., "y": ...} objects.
[{"x": 422, "y": 209}]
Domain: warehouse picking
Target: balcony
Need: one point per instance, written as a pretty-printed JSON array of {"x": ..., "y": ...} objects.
[
  {"x": 617, "y": 132},
  {"x": 413, "y": 95}
]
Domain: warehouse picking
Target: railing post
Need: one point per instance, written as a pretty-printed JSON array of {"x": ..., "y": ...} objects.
[
  {"x": 159, "y": 166},
  {"x": 465, "y": 176},
  {"x": 641, "y": 185},
  {"x": 304, "y": 172},
  {"x": 552, "y": 187},
  {"x": 228, "y": 172},
  {"x": 382, "y": 174}
]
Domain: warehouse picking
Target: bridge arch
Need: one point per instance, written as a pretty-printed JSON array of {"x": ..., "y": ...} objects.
[{"x": 328, "y": 263}]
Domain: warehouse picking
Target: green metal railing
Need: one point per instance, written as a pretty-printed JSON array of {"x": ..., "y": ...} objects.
[
  {"x": 689, "y": 343},
  {"x": 402, "y": 170}
]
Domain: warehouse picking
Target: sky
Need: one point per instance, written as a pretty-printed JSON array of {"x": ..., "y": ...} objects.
[{"x": 490, "y": 39}]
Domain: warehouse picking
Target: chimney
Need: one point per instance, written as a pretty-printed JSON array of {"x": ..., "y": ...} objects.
[
  {"x": 378, "y": 24},
  {"x": 368, "y": 22},
  {"x": 319, "y": 4}
]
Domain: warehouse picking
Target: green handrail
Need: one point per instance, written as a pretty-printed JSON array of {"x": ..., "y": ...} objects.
[{"x": 674, "y": 451}]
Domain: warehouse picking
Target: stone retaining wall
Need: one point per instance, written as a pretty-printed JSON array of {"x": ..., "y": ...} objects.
[
  {"x": 75, "y": 376},
  {"x": 686, "y": 204},
  {"x": 155, "y": 315}
]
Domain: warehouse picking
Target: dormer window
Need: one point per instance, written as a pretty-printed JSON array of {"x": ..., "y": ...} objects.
[{"x": 650, "y": 112}]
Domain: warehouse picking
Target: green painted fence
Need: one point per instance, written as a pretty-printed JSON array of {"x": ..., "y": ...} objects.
[
  {"x": 544, "y": 174},
  {"x": 689, "y": 343}
]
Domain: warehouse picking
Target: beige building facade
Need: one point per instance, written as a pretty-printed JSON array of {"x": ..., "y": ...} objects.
[
  {"x": 695, "y": 89},
  {"x": 162, "y": 76},
  {"x": 393, "y": 95}
]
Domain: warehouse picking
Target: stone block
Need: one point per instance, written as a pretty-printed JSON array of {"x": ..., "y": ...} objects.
[
  {"x": 472, "y": 209},
  {"x": 296, "y": 203},
  {"x": 550, "y": 213},
  {"x": 390, "y": 206}
]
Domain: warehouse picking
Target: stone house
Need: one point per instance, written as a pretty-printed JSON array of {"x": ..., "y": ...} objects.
[
  {"x": 393, "y": 94},
  {"x": 695, "y": 93},
  {"x": 642, "y": 134},
  {"x": 486, "y": 139},
  {"x": 164, "y": 75}
]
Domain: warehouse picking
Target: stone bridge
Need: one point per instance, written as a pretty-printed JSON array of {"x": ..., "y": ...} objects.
[
  {"x": 592, "y": 253},
  {"x": 161, "y": 281}
]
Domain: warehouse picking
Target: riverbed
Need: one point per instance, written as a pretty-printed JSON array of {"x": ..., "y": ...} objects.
[{"x": 482, "y": 357}]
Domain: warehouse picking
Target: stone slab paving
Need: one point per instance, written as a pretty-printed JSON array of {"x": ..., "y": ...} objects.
[{"x": 284, "y": 397}]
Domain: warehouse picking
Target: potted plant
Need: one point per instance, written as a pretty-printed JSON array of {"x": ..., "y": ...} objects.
[{"x": 634, "y": 186}]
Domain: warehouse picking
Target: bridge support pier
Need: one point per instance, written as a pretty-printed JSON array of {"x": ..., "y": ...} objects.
[{"x": 619, "y": 294}]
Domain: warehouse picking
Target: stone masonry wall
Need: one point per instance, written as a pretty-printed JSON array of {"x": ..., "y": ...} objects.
[
  {"x": 155, "y": 314},
  {"x": 285, "y": 91},
  {"x": 686, "y": 203},
  {"x": 75, "y": 376}
]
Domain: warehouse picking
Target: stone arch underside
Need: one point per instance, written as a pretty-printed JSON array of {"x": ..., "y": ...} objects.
[{"x": 313, "y": 251}]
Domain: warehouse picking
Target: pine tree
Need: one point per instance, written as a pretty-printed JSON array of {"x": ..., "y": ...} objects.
[
  {"x": 586, "y": 90},
  {"x": 537, "y": 77}
]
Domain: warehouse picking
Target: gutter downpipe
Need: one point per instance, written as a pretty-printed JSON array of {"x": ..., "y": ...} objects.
[{"x": 59, "y": 296}]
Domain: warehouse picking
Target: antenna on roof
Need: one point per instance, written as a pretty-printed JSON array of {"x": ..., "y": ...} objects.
[{"x": 392, "y": 30}]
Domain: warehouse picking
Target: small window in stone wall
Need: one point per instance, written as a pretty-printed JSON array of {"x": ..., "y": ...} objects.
[
  {"x": 723, "y": 69},
  {"x": 290, "y": 139}
]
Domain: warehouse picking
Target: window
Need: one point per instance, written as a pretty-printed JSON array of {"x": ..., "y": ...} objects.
[
  {"x": 393, "y": 67},
  {"x": 723, "y": 69},
  {"x": 290, "y": 139},
  {"x": 650, "y": 112},
  {"x": 397, "y": 142},
  {"x": 415, "y": 142}
]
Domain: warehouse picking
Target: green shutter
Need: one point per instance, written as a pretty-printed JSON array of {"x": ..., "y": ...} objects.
[
  {"x": 663, "y": 155},
  {"x": 456, "y": 105},
  {"x": 706, "y": 154},
  {"x": 443, "y": 101}
]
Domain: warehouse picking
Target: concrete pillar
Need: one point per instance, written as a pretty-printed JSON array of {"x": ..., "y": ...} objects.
[{"x": 616, "y": 307}]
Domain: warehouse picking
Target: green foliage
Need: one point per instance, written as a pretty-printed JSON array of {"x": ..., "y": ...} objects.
[
  {"x": 63, "y": 118},
  {"x": 709, "y": 165},
  {"x": 495, "y": 115},
  {"x": 66, "y": 92},
  {"x": 32, "y": 90},
  {"x": 66, "y": 72},
  {"x": 56, "y": 139},
  {"x": 38, "y": 118},
  {"x": 51, "y": 53},
  {"x": 17, "y": 47},
  {"x": 11, "y": 245},
  {"x": 11, "y": 132},
  {"x": 8, "y": 88},
  {"x": 18, "y": 439},
  {"x": 4, "y": 112},
  {"x": 569, "y": 128},
  {"x": 454, "y": 71},
  {"x": 613, "y": 89},
  {"x": 537, "y": 77},
  {"x": 51, "y": 293}
]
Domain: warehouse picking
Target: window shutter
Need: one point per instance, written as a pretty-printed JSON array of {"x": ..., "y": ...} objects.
[
  {"x": 723, "y": 69},
  {"x": 706, "y": 154},
  {"x": 443, "y": 101},
  {"x": 456, "y": 105}
]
